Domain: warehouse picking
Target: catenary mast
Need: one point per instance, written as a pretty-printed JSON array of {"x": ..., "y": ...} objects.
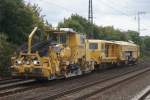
[{"x": 90, "y": 19}]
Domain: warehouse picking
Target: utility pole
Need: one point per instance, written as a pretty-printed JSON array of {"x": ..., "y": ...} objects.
[
  {"x": 139, "y": 20},
  {"x": 90, "y": 14},
  {"x": 90, "y": 18}
]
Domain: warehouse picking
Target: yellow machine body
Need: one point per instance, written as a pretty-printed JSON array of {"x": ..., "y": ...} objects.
[
  {"x": 68, "y": 54},
  {"x": 102, "y": 51},
  {"x": 111, "y": 52},
  {"x": 66, "y": 48}
]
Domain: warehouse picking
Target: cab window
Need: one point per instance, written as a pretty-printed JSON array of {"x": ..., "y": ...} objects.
[
  {"x": 82, "y": 37},
  {"x": 93, "y": 46},
  {"x": 102, "y": 47},
  {"x": 58, "y": 37}
]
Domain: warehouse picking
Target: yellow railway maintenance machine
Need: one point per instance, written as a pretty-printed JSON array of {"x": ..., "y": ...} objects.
[
  {"x": 128, "y": 52},
  {"x": 103, "y": 53},
  {"x": 63, "y": 56},
  {"x": 65, "y": 53},
  {"x": 111, "y": 53}
]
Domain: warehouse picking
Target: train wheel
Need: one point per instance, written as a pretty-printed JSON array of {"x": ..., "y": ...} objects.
[
  {"x": 79, "y": 72},
  {"x": 51, "y": 77},
  {"x": 97, "y": 67}
]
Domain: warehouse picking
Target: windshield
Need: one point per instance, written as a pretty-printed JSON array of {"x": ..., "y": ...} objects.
[{"x": 58, "y": 38}]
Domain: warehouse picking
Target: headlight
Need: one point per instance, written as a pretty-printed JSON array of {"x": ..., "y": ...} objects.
[
  {"x": 18, "y": 62},
  {"x": 36, "y": 62}
]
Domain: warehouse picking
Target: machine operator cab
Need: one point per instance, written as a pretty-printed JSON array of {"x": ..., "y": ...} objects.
[
  {"x": 69, "y": 47},
  {"x": 59, "y": 40},
  {"x": 67, "y": 38},
  {"x": 58, "y": 51}
]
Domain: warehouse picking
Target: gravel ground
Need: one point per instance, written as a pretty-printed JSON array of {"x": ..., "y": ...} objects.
[
  {"x": 55, "y": 88},
  {"x": 126, "y": 90},
  {"x": 148, "y": 97},
  {"x": 38, "y": 93}
]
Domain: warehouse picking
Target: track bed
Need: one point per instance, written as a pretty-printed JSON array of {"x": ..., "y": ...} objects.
[{"x": 61, "y": 88}]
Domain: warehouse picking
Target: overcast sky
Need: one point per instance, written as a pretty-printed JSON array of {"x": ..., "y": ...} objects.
[{"x": 121, "y": 14}]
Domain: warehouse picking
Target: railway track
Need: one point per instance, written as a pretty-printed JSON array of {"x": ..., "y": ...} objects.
[
  {"x": 21, "y": 86},
  {"x": 143, "y": 95},
  {"x": 13, "y": 86},
  {"x": 92, "y": 88},
  {"x": 61, "y": 87},
  {"x": 7, "y": 81}
]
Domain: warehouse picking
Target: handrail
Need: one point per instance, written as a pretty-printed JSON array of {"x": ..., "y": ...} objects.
[{"x": 30, "y": 39}]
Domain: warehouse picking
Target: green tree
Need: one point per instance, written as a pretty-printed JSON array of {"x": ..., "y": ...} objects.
[
  {"x": 134, "y": 36},
  {"x": 17, "y": 19},
  {"x": 6, "y": 50},
  {"x": 80, "y": 24},
  {"x": 145, "y": 47}
]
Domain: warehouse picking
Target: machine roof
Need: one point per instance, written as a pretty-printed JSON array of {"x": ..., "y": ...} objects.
[
  {"x": 113, "y": 42},
  {"x": 125, "y": 43}
]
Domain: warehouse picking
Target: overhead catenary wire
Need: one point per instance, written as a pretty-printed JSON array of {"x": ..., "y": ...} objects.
[
  {"x": 127, "y": 8},
  {"x": 67, "y": 10},
  {"x": 112, "y": 7},
  {"x": 120, "y": 11}
]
